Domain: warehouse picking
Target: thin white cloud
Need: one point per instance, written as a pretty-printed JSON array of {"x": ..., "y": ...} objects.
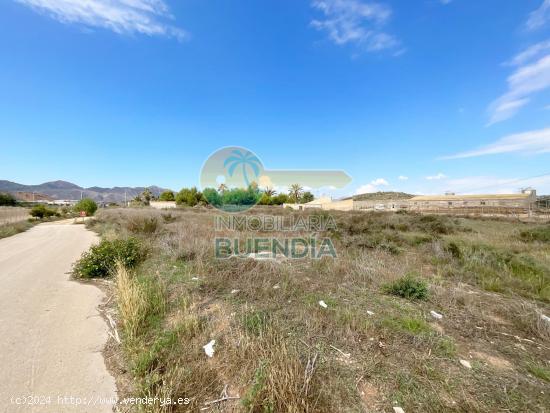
[
  {"x": 121, "y": 16},
  {"x": 534, "y": 142},
  {"x": 530, "y": 53},
  {"x": 539, "y": 17},
  {"x": 402, "y": 177},
  {"x": 380, "y": 182},
  {"x": 527, "y": 80},
  {"x": 547, "y": 107},
  {"x": 445, "y": 2},
  {"x": 437, "y": 177},
  {"x": 373, "y": 186},
  {"x": 355, "y": 21},
  {"x": 366, "y": 189}
]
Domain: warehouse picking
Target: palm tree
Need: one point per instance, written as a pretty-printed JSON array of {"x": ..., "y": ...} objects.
[
  {"x": 243, "y": 159},
  {"x": 270, "y": 192},
  {"x": 295, "y": 192},
  {"x": 222, "y": 188}
]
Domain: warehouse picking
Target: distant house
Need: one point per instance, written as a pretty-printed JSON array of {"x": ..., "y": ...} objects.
[
  {"x": 316, "y": 203},
  {"x": 324, "y": 203}
]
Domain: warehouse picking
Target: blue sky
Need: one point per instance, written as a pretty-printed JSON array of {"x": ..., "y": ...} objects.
[{"x": 421, "y": 96}]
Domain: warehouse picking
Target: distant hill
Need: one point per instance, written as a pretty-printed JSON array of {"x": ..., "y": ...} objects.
[
  {"x": 31, "y": 196},
  {"x": 382, "y": 196},
  {"x": 68, "y": 190}
]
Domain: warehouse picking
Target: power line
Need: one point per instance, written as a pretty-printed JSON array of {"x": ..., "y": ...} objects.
[{"x": 513, "y": 181}]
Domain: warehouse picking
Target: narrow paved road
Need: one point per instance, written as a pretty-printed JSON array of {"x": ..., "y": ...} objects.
[{"x": 51, "y": 334}]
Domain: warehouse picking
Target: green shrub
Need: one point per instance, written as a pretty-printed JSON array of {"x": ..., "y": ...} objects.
[
  {"x": 100, "y": 260},
  {"x": 143, "y": 224},
  {"x": 306, "y": 197},
  {"x": 42, "y": 211},
  {"x": 7, "y": 199},
  {"x": 189, "y": 197},
  {"x": 255, "y": 322},
  {"x": 415, "y": 240},
  {"x": 408, "y": 287},
  {"x": 87, "y": 205},
  {"x": 280, "y": 199},
  {"x": 504, "y": 271},
  {"x": 436, "y": 224},
  {"x": 234, "y": 199},
  {"x": 453, "y": 249},
  {"x": 446, "y": 347},
  {"x": 384, "y": 240},
  {"x": 167, "y": 196},
  {"x": 412, "y": 325},
  {"x": 169, "y": 218},
  {"x": 541, "y": 234},
  {"x": 253, "y": 395},
  {"x": 541, "y": 372}
]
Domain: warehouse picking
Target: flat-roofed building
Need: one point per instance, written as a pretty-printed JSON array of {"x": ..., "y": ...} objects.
[
  {"x": 325, "y": 203},
  {"x": 523, "y": 202},
  {"x": 526, "y": 200}
]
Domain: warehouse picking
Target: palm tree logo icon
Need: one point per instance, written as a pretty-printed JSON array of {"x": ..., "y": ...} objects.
[{"x": 246, "y": 160}]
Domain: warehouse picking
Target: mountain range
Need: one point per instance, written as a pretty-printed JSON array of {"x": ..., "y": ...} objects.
[{"x": 68, "y": 190}]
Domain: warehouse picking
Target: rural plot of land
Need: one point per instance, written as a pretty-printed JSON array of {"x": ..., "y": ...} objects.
[{"x": 425, "y": 313}]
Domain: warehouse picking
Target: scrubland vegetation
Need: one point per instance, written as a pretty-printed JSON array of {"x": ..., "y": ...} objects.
[
  {"x": 428, "y": 313},
  {"x": 9, "y": 229}
]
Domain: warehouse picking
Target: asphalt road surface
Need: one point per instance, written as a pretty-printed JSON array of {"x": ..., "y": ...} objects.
[{"x": 51, "y": 333}]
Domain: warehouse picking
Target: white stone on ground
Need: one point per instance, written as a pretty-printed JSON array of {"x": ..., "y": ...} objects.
[
  {"x": 209, "y": 348},
  {"x": 436, "y": 315}
]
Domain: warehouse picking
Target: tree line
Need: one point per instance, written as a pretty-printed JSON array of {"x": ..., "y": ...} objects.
[{"x": 231, "y": 196}]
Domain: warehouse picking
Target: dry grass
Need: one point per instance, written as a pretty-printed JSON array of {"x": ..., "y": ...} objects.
[
  {"x": 138, "y": 300},
  {"x": 278, "y": 350},
  {"x": 7, "y": 230}
]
